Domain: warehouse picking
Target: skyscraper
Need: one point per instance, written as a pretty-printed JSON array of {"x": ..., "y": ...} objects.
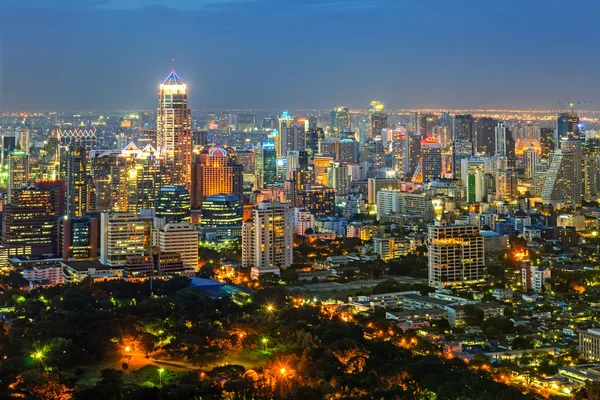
[
  {"x": 122, "y": 235},
  {"x": 485, "y": 138},
  {"x": 29, "y": 223},
  {"x": 567, "y": 126},
  {"x": 456, "y": 255},
  {"x": 563, "y": 185},
  {"x": 532, "y": 158},
  {"x": 180, "y": 238},
  {"x": 431, "y": 159},
  {"x": 265, "y": 164},
  {"x": 215, "y": 172},
  {"x": 173, "y": 204},
  {"x": 462, "y": 127},
  {"x": 18, "y": 171},
  {"x": 378, "y": 119},
  {"x": 174, "y": 136},
  {"x": 340, "y": 120},
  {"x": 547, "y": 141},
  {"x": 81, "y": 190},
  {"x": 222, "y": 216},
  {"x": 461, "y": 149},
  {"x": 267, "y": 237}
]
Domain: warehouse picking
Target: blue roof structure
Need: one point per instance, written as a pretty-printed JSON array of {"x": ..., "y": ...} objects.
[{"x": 173, "y": 79}]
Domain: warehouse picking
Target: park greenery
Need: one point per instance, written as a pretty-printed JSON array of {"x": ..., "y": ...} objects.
[{"x": 89, "y": 341}]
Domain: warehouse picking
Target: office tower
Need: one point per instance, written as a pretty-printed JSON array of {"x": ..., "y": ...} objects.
[
  {"x": 81, "y": 191},
  {"x": 283, "y": 134},
  {"x": 304, "y": 177},
  {"x": 57, "y": 190},
  {"x": 85, "y": 138},
  {"x": 413, "y": 152},
  {"x": 472, "y": 178},
  {"x": 199, "y": 138},
  {"x": 339, "y": 180},
  {"x": 344, "y": 150},
  {"x": 462, "y": 127},
  {"x": 318, "y": 199},
  {"x": 29, "y": 223},
  {"x": 135, "y": 178},
  {"x": 506, "y": 184},
  {"x": 122, "y": 235},
  {"x": 485, "y": 138},
  {"x": 173, "y": 204},
  {"x": 539, "y": 178},
  {"x": 79, "y": 239},
  {"x": 18, "y": 171},
  {"x": 245, "y": 158},
  {"x": 376, "y": 153},
  {"x": 374, "y": 185},
  {"x": 296, "y": 160},
  {"x": 9, "y": 143},
  {"x": 312, "y": 139},
  {"x": 221, "y": 216},
  {"x": 456, "y": 255},
  {"x": 399, "y": 152},
  {"x": 461, "y": 149},
  {"x": 321, "y": 163},
  {"x": 215, "y": 172},
  {"x": 563, "y": 182},
  {"x": 547, "y": 141},
  {"x": 174, "y": 130},
  {"x": 531, "y": 157},
  {"x": 431, "y": 159},
  {"x": 502, "y": 133},
  {"x": 340, "y": 120},
  {"x": 24, "y": 138},
  {"x": 393, "y": 202},
  {"x": 244, "y": 122},
  {"x": 267, "y": 237},
  {"x": 567, "y": 127},
  {"x": 379, "y": 121},
  {"x": 426, "y": 124},
  {"x": 225, "y": 122},
  {"x": 180, "y": 238},
  {"x": 265, "y": 165}
]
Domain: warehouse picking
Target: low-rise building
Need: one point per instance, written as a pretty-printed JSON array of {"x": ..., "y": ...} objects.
[
  {"x": 457, "y": 315},
  {"x": 49, "y": 275},
  {"x": 589, "y": 344}
]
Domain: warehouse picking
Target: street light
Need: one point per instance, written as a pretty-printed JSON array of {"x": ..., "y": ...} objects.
[{"x": 160, "y": 372}]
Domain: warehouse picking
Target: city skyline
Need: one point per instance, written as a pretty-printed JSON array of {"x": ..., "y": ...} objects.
[{"x": 245, "y": 54}]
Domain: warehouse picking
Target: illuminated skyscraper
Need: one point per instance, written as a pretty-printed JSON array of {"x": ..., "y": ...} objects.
[
  {"x": 18, "y": 171},
  {"x": 563, "y": 180},
  {"x": 567, "y": 126},
  {"x": 173, "y": 204},
  {"x": 215, "y": 172},
  {"x": 547, "y": 141},
  {"x": 173, "y": 123},
  {"x": 461, "y": 149},
  {"x": 532, "y": 158},
  {"x": 267, "y": 237},
  {"x": 462, "y": 127},
  {"x": 485, "y": 138},
  {"x": 122, "y": 235},
  {"x": 265, "y": 165},
  {"x": 29, "y": 223},
  {"x": 221, "y": 216},
  {"x": 340, "y": 120},
  {"x": 81, "y": 191},
  {"x": 379, "y": 121},
  {"x": 431, "y": 159},
  {"x": 24, "y": 138}
]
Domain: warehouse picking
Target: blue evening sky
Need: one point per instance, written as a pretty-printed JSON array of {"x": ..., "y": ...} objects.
[{"x": 111, "y": 54}]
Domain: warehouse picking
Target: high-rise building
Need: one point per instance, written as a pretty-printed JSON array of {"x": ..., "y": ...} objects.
[
  {"x": 461, "y": 149},
  {"x": 318, "y": 199},
  {"x": 567, "y": 127},
  {"x": 24, "y": 138},
  {"x": 563, "y": 181},
  {"x": 531, "y": 157},
  {"x": 173, "y": 204},
  {"x": 289, "y": 136},
  {"x": 591, "y": 176},
  {"x": 485, "y": 138},
  {"x": 180, "y": 238},
  {"x": 338, "y": 177},
  {"x": 265, "y": 165},
  {"x": 426, "y": 124},
  {"x": 29, "y": 223},
  {"x": 267, "y": 237},
  {"x": 174, "y": 126},
  {"x": 413, "y": 151},
  {"x": 456, "y": 255},
  {"x": 431, "y": 159},
  {"x": 340, "y": 120},
  {"x": 79, "y": 239},
  {"x": 462, "y": 127},
  {"x": 547, "y": 141},
  {"x": 378, "y": 119},
  {"x": 121, "y": 235},
  {"x": 502, "y": 139},
  {"x": 215, "y": 172},
  {"x": 221, "y": 216},
  {"x": 392, "y": 202},
  {"x": 506, "y": 184},
  {"x": 473, "y": 170},
  {"x": 81, "y": 191},
  {"x": 18, "y": 171}
]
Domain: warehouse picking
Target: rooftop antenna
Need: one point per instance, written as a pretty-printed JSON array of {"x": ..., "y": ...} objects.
[{"x": 173, "y": 64}]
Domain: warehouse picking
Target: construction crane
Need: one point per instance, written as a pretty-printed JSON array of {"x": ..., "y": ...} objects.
[{"x": 572, "y": 104}]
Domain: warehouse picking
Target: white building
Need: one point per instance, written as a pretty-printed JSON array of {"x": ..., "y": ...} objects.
[
  {"x": 303, "y": 220},
  {"x": 534, "y": 277},
  {"x": 337, "y": 225},
  {"x": 267, "y": 237},
  {"x": 43, "y": 276},
  {"x": 122, "y": 235},
  {"x": 456, "y": 255},
  {"x": 397, "y": 202},
  {"x": 571, "y": 220},
  {"x": 182, "y": 238},
  {"x": 563, "y": 185}
]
